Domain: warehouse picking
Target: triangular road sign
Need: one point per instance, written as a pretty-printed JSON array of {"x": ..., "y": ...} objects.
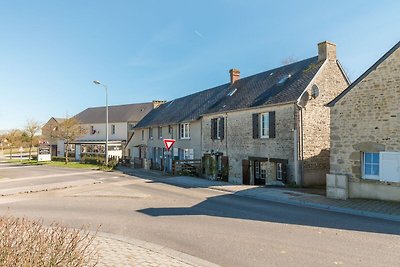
[{"x": 169, "y": 143}]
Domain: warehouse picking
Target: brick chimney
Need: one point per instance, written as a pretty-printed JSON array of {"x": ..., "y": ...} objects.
[
  {"x": 235, "y": 75},
  {"x": 326, "y": 50},
  {"x": 157, "y": 103}
]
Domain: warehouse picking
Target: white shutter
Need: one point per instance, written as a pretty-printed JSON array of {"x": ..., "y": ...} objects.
[{"x": 389, "y": 167}]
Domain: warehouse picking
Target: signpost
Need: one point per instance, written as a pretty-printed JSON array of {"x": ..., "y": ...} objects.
[
  {"x": 168, "y": 145},
  {"x": 21, "y": 149},
  {"x": 44, "y": 151}
]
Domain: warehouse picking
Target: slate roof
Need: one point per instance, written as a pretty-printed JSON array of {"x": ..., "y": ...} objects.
[
  {"x": 119, "y": 113},
  {"x": 365, "y": 74},
  {"x": 253, "y": 91},
  {"x": 59, "y": 120}
]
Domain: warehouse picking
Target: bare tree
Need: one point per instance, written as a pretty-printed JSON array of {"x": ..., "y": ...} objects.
[
  {"x": 69, "y": 130},
  {"x": 32, "y": 127},
  {"x": 13, "y": 138}
]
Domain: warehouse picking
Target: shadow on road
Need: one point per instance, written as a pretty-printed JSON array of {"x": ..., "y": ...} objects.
[
  {"x": 249, "y": 209},
  {"x": 239, "y": 207}
]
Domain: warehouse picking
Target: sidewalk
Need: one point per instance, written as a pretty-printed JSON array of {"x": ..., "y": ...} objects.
[
  {"x": 119, "y": 251},
  {"x": 294, "y": 196}
]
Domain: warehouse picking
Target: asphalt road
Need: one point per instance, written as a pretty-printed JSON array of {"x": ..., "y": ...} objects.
[{"x": 212, "y": 225}]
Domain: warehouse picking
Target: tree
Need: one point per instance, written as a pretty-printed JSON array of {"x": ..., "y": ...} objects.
[
  {"x": 13, "y": 138},
  {"x": 32, "y": 127},
  {"x": 69, "y": 130}
]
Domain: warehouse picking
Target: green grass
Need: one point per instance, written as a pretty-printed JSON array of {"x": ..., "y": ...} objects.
[{"x": 76, "y": 165}]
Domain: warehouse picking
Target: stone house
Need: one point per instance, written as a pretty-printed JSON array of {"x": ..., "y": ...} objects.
[
  {"x": 273, "y": 127},
  {"x": 179, "y": 119},
  {"x": 365, "y": 134},
  {"x": 47, "y": 131}
]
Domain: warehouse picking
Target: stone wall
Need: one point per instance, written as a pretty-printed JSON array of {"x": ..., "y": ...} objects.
[
  {"x": 367, "y": 119},
  {"x": 239, "y": 143},
  {"x": 330, "y": 82}
]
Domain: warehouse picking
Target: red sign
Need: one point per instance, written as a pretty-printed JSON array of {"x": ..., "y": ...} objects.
[{"x": 169, "y": 143}]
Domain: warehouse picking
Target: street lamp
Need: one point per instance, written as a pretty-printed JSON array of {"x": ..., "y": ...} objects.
[{"x": 106, "y": 89}]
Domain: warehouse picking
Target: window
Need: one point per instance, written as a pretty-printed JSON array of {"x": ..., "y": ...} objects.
[
  {"x": 371, "y": 165},
  {"x": 170, "y": 129},
  {"x": 150, "y": 133},
  {"x": 184, "y": 130},
  {"x": 264, "y": 125},
  {"x": 188, "y": 153},
  {"x": 142, "y": 134},
  {"x": 218, "y": 128},
  {"x": 113, "y": 129},
  {"x": 160, "y": 133},
  {"x": 279, "y": 171}
]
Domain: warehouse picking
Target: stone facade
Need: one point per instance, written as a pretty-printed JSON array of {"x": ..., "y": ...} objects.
[
  {"x": 328, "y": 84},
  {"x": 311, "y": 143},
  {"x": 367, "y": 119},
  {"x": 154, "y": 145},
  {"x": 239, "y": 144}
]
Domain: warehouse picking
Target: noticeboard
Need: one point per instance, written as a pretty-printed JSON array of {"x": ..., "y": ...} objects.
[{"x": 44, "y": 153}]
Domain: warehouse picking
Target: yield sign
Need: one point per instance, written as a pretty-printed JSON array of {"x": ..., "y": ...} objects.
[{"x": 169, "y": 143}]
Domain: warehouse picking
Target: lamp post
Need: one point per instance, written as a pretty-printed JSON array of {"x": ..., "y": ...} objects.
[{"x": 106, "y": 89}]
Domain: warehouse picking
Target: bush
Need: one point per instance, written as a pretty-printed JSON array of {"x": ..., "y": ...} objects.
[
  {"x": 92, "y": 159},
  {"x": 62, "y": 159},
  {"x": 29, "y": 243},
  {"x": 99, "y": 160}
]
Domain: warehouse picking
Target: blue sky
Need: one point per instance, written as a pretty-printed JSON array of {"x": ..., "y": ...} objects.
[{"x": 51, "y": 51}]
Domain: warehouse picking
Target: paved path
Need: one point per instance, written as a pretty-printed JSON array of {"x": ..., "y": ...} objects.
[
  {"x": 118, "y": 251},
  {"x": 371, "y": 208}
]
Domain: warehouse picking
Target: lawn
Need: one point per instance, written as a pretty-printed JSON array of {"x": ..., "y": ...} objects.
[{"x": 76, "y": 165}]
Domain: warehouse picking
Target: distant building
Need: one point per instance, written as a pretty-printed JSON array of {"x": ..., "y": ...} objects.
[
  {"x": 47, "y": 131},
  {"x": 121, "y": 119}
]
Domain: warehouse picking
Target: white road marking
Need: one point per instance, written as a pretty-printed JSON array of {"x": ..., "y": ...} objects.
[
  {"x": 15, "y": 167},
  {"x": 48, "y": 176}
]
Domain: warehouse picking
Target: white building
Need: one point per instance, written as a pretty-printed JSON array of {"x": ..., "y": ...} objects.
[{"x": 121, "y": 122}]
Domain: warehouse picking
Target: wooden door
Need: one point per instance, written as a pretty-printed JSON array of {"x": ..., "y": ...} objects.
[
  {"x": 225, "y": 168},
  {"x": 246, "y": 171}
]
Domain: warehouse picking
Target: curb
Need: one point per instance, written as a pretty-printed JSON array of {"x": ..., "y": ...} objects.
[
  {"x": 158, "y": 248},
  {"x": 300, "y": 203}
]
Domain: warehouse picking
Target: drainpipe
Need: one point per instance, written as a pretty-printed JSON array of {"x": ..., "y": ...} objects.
[
  {"x": 300, "y": 144},
  {"x": 226, "y": 133}
]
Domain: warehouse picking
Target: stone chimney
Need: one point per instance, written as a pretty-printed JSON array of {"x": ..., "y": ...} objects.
[
  {"x": 235, "y": 75},
  {"x": 157, "y": 103},
  {"x": 326, "y": 50}
]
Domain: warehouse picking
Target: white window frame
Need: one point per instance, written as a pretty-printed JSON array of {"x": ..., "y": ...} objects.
[
  {"x": 159, "y": 130},
  {"x": 264, "y": 125},
  {"x": 218, "y": 128},
  {"x": 279, "y": 171},
  {"x": 184, "y": 130},
  {"x": 188, "y": 153},
  {"x": 370, "y": 176}
]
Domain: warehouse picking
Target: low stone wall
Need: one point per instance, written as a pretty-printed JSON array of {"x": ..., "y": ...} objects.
[
  {"x": 337, "y": 186},
  {"x": 374, "y": 190}
]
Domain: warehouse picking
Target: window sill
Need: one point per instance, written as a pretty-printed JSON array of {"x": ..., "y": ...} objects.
[{"x": 185, "y": 138}]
